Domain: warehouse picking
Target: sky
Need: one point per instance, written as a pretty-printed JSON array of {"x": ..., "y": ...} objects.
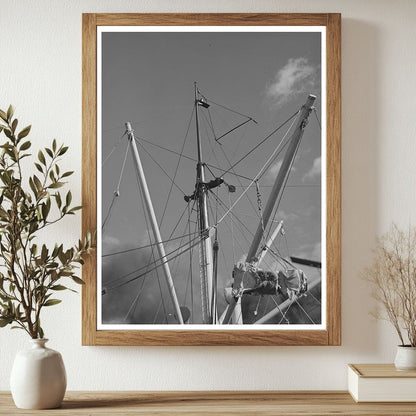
[{"x": 148, "y": 79}]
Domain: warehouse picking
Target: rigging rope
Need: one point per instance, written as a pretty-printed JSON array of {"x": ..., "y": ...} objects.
[
  {"x": 260, "y": 172},
  {"x": 280, "y": 311},
  {"x": 317, "y": 119},
  {"x": 310, "y": 294},
  {"x": 229, "y": 109},
  {"x": 161, "y": 168},
  {"x": 284, "y": 315},
  {"x": 189, "y": 157},
  {"x": 264, "y": 140},
  {"x": 164, "y": 262},
  {"x": 177, "y": 165},
  {"x": 243, "y": 229},
  {"x": 116, "y": 193},
  {"x": 261, "y": 213},
  {"x": 155, "y": 262},
  {"x": 306, "y": 313},
  {"x": 283, "y": 187},
  {"x": 113, "y": 148},
  {"x": 229, "y": 163},
  {"x": 152, "y": 255},
  {"x": 232, "y": 228},
  {"x": 146, "y": 246}
]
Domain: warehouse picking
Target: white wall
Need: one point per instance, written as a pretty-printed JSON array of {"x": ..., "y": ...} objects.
[{"x": 40, "y": 73}]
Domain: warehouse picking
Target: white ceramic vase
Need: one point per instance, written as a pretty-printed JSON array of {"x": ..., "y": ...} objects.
[
  {"x": 38, "y": 378},
  {"x": 405, "y": 358}
]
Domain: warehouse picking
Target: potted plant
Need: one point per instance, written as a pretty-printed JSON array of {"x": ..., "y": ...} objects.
[
  {"x": 393, "y": 277},
  {"x": 32, "y": 272}
]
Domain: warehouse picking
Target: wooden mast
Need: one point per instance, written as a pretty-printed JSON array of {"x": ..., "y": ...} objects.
[
  {"x": 153, "y": 222},
  {"x": 234, "y": 311},
  {"x": 282, "y": 176},
  {"x": 205, "y": 254}
]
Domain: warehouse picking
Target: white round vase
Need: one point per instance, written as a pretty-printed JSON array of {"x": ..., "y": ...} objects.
[
  {"x": 405, "y": 358},
  {"x": 38, "y": 378}
]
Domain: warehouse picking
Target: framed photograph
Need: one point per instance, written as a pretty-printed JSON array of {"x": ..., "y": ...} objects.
[{"x": 211, "y": 172}]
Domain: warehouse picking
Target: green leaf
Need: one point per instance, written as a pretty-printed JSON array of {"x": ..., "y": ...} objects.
[
  {"x": 68, "y": 198},
  {"x": 24, "y": 133},
  {"x": 10, "y": 112},
  {"x": 44, "y": 253},
  {"x": 25, "y": 145},
  {"x": 77, "y": 208},
  {"x": 8, "y": 133},
  {"x": 58, "y": 199},
  {"x": 3, "y": 115},
  {"x": 37, "y": 183},
  {"x": 40, "y": 332},
  {"x": 56, "y": 185},
  {"x": 61, "y": 256},
  {"x": 33, "y": 187},
  {"x": 45, "y": 211},
  {"x": 51, "y": 302},
  {"x": 49, "y": 151},
  {"x": 14, "y": 125},
  {"x": 54, "y": 145},
  {"x": 59, "y": 287},
  {"x": 63, "y": 150},
  {"x": 67, "y": 174},
  {"x": 76, "y": 279},
  {"x": 39, "y": 167},
  {"x": 41, "y": 157},
  {"x": 5, "y": 321}
]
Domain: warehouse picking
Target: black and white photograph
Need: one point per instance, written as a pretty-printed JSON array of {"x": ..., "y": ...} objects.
[{"x": 211, "y": 177}]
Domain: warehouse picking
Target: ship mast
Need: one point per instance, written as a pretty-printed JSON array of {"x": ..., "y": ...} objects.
[
  {"x": 205, "y": 254},
  {"x": 153, "y": 222},
  {"x": 233, "y": 311},
  {"x": 282, "y": 176}
]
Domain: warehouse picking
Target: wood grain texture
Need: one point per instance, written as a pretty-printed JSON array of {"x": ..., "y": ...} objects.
[
  {"x": 333, "y": 200},
  {"x": 89, "y": 172},
  {"x": 330, "y": 336},
  {"x": 213, "y": 19},
  {"x": 380, "y": 371},
  {"x": 270, "y": 403}
]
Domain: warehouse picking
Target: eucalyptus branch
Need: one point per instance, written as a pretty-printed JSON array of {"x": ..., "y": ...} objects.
[{"x": 32, "y": 277}]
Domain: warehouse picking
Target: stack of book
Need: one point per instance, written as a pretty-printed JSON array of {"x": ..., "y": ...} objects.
[{"x": 381, "y": 383}]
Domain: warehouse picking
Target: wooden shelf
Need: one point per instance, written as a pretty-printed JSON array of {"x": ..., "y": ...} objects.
[{"x": 178, "y": 403}]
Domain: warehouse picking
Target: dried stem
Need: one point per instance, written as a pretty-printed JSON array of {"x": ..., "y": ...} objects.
[{"x": 393, "y": 276}]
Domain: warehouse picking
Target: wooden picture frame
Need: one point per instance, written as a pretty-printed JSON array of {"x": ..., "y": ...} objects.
[{"x": 331, "y": 335}]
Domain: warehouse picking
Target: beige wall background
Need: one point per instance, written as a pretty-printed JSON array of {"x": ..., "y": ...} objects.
[{"x": 40, "y": 73}]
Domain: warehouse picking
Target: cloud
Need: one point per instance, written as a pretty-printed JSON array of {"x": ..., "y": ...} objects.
[
  {"x": 314, "y": 171},
  {"x": 272, "y": 172},
  {"x": 287, "y": 216},
  {"x": 109, "y": 241},
  {"x": 296, "y": 77}
]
